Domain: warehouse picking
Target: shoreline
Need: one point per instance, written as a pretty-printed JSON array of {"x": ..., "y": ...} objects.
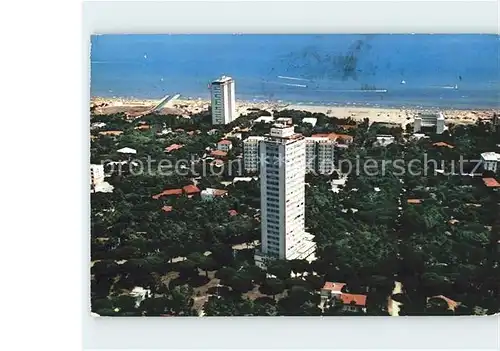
[
  {"x": 392, "y": 114},
  {"x": 150, "y": 101}
]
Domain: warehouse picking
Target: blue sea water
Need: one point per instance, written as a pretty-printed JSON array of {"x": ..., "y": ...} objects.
[{"x": 458, "y": 71}]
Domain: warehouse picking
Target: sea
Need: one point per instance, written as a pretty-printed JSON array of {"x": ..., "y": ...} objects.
[{"x": 404, "y": 70}]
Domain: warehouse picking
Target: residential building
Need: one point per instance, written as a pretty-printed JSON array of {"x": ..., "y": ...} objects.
[
  {"x": 223, "y": 101},
  {"x": 96, "y": 175},
  {"x": 251, "y": 153},
  {"x": 384, "y": 140},
  {"x": 265, "y": 119},
  {"x": 491, "y": 183},
  {"x": 127, "y": 150},
  {"x": 173, "y": 147},
  {"x": 190, "y": 189},
  {"x": 490, "y": 161},
  {"x": 224, "y": 145},
  {"x": 331, "y": 289},
  {"x": 218, "y": 153},
  {"x": 353, "y": 302},
  {"x": 311, "y": 120},
  {"x": 429, "y": 120},
  {"x": 282, "y": 190},
  {"x": 320, "y": 155},
  {"x": 111, "y": 132},
  {"x": 211, "y": 193}
]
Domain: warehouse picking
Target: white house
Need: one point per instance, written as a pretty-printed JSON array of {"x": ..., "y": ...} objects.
[
  {"x": 210, "y": 193},
  {"x": 384, "y": 140},
  {"x": 432, "y": 120},
  {"x": 96, "y": 174},
  {"x": 312, "y": 121},
  {"x": 490, "y": 161},
  {"x": 265, "y": 119},
  {"x": 140, "y": 295},
  {"x": 127, "y": 150}
]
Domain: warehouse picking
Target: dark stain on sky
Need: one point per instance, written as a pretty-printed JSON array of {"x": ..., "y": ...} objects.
[{"x": 312, "y": 63}]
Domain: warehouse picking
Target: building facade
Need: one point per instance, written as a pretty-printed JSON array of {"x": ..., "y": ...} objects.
[
  {"x": 251, "y": 154},
  {"x": 429, "y": 120},
  {"x": 96, "y": 175},
  {"x": 490, "y": 161},
  {"x": 282, "y": 182},
  {"x": 224, "y": 145},
  {"x": 320, "y": 154},
  {"x": 223, "y": 100}
]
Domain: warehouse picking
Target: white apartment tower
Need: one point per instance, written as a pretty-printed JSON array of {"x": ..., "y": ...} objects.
[
  {"x": 251, "y": 155},
  {"x": 282, "y": 190},
  {"x": 223, "y": 100},
  {"x": 320, "y": 154}
]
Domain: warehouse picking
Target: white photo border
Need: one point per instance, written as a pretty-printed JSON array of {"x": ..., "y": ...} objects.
[{"x": 279, "y": 17}]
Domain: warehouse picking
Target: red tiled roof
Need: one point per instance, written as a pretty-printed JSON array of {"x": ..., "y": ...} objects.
[
  {"x": 443, "y": 144},
  {"x": 191, "y": 189},
  {"x": 173, "y": 147},
  {"x": 491, "y": 182},
  {"x": 334, "y": 136},
  {"x": 168, "y": 192},
  {"x": 452, "y": 304},
  {"x": 219, "y": 192},
  {"x": 359, "y": 300},
  {"x": 414, "y": 201},
  {"x": 167, "y": 208},
  {"x": 232, "y": 213},
  {"x": 333, "y": 286},
  {"x": 225, "y": 142},
  {"x": 190, "y": 133},
  {"x": 218, "y": 153},
  {"x": 179, "y": 130}
]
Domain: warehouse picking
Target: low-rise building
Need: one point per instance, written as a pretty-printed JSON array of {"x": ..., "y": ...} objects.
[
  {"x": 353, "y": 302},
  {"x": 173, "y": 147},
  {"x": 491, "y": 183},
  {"x": 332, "y": 289},
  {"x": 218, "y": 153},
  {"x": 127, "y": 150},
  {"x": 311, "y": 120},
  {"x": 490, "y": 161},
  {"x": 384, "y": 140},
  {"x": 434, "y": 121},
  {"x": 224, "y": 145},
  {"x": 113, "y": 133},
  {"x": 211, "y": 193},
  {"x": 96, "y": 174}
]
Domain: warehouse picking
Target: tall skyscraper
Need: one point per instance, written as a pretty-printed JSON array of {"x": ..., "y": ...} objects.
[
  {"x": 282, "y": 190},
  {"x": 223, "y": 100}
]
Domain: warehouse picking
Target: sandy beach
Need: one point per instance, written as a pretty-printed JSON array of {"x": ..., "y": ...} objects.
[{"x": 186, "y": 107}]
